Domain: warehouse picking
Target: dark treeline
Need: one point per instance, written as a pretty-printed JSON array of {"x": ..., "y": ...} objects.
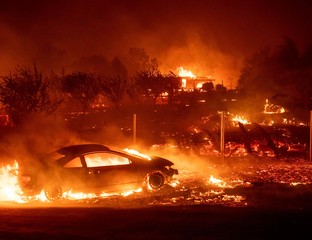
[
  {"x": 280, "y": 73},
  {"x": 97, "y": 81}
]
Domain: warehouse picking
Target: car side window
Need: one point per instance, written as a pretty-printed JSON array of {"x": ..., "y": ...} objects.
[
  {"x": 105, "y": 159},
  {"x": 76, "y": 162}
]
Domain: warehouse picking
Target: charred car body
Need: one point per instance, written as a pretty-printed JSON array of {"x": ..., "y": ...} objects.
[{"x": 95, "y": 168}]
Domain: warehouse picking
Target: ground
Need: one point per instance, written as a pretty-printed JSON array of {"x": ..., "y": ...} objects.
[
  {"x": 239, "y": 198},
  {"x": 250, "y": 200},
  {"x": 182, "y": 222}
]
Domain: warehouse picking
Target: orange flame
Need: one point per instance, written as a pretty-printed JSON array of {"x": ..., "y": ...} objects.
[
  {"x": 9, "y": 184},
  {"x": 185, "y": 73},
  {"x": 10, "y": 189},
  {"x": 222, "y": 184},
  {"x": 270, "y": 108},
  {"x": 217, "y": 182},
  {"x": 136, "y": 153},
  {"x": 240, "y": 119}
]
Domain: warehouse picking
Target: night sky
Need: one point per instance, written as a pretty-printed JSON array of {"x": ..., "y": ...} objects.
[{"x": 208, "y": 37}]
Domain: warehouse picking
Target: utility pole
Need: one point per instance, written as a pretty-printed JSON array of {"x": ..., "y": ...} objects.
[
  {"x": 222, "y": 136},
  {"x": 310, "y": 150},
  {"x": 134, "y": 129}
]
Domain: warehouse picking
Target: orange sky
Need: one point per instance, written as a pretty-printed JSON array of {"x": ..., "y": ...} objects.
[{"x": 205, "y": 36}]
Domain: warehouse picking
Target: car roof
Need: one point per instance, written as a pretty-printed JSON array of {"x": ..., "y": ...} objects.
[{"x": 81, "y": 148}]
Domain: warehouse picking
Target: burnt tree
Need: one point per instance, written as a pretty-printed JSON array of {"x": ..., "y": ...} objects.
[
  {"x": 24, "y": 92},
  {"x": 114, "y": 86},
  {"x": 81, "y": 86}
]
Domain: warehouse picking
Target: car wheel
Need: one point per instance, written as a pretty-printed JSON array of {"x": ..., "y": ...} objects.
[
  {"x": 53, "y": 192},
  {"x": 155, "y": 180}
]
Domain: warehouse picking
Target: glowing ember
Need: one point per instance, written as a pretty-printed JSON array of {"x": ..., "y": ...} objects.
[
  {"x": 174, "y": 183},
  {"x": 217, "y": 182},
  {"x": 127, "y": 193},
  {"x": 296, "y": 184},
  {"x": 77, "y": 196},
  {"x": 222, "y": 184},
  {"x": 9, "y": 185},
  {"x": 234, "y": 198}
]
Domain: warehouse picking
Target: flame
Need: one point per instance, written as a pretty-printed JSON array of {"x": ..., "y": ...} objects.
[
  {"x": 81, "y": 195},
  {"x": 217, "y": 182},
  {"x": 199, "y": 85},
  {"x": 130, "y": 192},
  {"x": 270, "y": 108},
  {"x": 136, "y": 153},
  {"x": 96, "y": 161},
  {"x": 10, "y": 189},
  {"x": 185, "y": 73},
  {"x": 240, "y": 119},
  {"x": 9, "y": 184},
  {"x": 78, "y": 195},
  {"x": 222, "y": 184}
]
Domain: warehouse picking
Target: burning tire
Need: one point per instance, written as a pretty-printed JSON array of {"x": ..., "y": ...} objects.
[
  {"x": 53, "y": 192},
  {"x": 155, "y": 180}
]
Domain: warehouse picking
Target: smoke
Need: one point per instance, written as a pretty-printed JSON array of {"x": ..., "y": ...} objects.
[
  {"x": 36, "y": 138},
  {"x": 187, "y": 160},
  {"x": 209, "y": 37},
  {"x": 11, "y": 49},
  {"x": 204, "y": 59}
]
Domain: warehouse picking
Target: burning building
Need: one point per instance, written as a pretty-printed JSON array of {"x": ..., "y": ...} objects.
[
  {"x": 189, "y": 84},
  {"x": 190, "y": 81}
]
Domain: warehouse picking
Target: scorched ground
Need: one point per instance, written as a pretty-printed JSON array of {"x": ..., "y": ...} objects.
[{"x": 237, "y": 200}]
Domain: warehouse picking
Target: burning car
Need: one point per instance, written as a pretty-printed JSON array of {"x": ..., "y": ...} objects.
[{"x": 96, "y": 168}]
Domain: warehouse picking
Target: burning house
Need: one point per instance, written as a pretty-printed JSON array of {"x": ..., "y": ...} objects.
[
  {"x": 190, "y": 81},
  {"x": 189, "y": 84}
]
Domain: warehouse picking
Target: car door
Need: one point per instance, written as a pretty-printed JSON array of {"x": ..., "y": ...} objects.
[
  {"x": 74, "y": 174},
  {"x": 108, "y": 171}
]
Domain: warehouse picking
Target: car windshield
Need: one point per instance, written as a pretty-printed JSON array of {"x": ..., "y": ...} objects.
[{"x": 105, "y": 159}]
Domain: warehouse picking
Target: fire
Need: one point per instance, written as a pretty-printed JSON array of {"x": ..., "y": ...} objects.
[
  {"x": 96, "y": 161},
  {"x": 222, "y": 184},
  {"x": 78, "y": 195},
  {"x": 185, "y": 73},
  {"x": 190, "y": 81},
  {"x": 10, "y": 189},
  {"x": 130, "y": 192},
  {"x": 240, "y": 119},
  {"x": 217, "y": 182},
  {"x": 9, "y": 184},
  {"x": 270, "y": 108},
  {"x": 136, "y": 153}
]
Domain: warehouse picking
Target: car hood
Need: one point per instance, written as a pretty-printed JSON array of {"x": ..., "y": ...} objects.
[{"x": 161, "y": 162}]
